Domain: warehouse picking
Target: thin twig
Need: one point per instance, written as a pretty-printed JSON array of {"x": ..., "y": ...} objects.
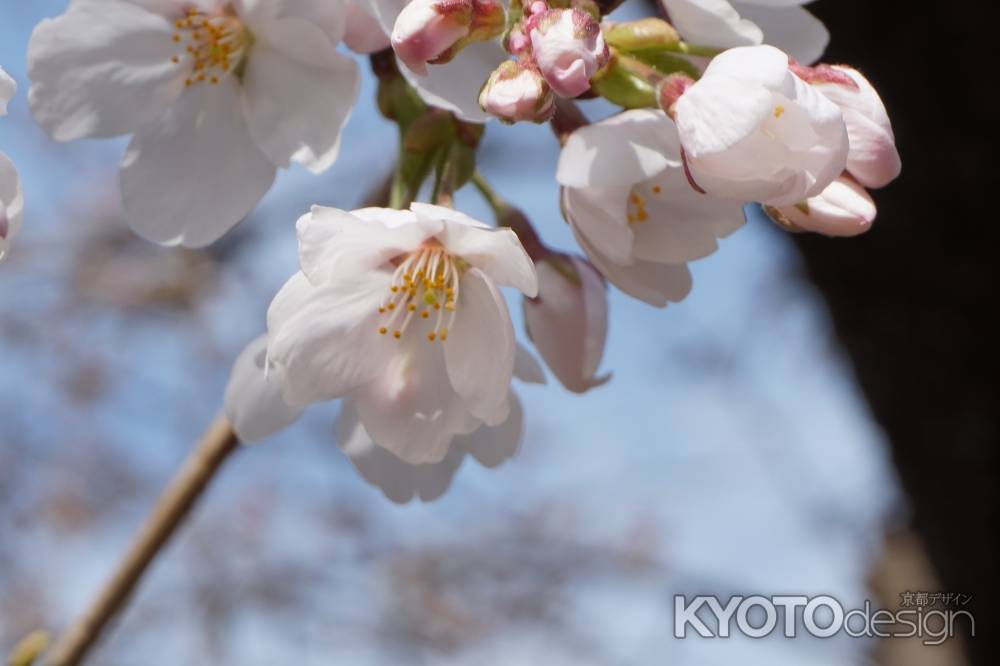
[{"x": 174, "y": 504}]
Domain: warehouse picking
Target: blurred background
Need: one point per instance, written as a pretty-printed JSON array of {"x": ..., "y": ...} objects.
[{"x": 818, "y": 417}]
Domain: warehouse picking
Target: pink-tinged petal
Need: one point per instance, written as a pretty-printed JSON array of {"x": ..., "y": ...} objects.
[
  {"x": 398, "y": 480},
  {"x": 410, "y": 408},
  {"x": 480, "y": 348},
  {"x": 195, "y": 172},
  {"x": 568, "y": 322},
  {"x": 253, "y": 401},
  {"x": 496, "y": 252},
  {"x": 624, "y": 149},
  {"x": 293, "y": 60},
  {"x": 527, "y": 368},
  {"x": 102, "y": 69},
  {"x": 364, "y": 33},
  {"x": 324, "y": 340},
  {"x": 335, "y": 244}
]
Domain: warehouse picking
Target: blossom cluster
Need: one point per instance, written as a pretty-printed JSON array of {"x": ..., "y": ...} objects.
[{"x": 397, "y": 311}]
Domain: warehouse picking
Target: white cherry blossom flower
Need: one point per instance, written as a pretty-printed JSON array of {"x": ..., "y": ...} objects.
[
  {"x": 569, "y": 48},
  {"x": 217, "y": 95},
  {"x": 872, "y": 158},
  {"x": 844, "y": 208},
  {"x": 400, "y": 309},
  {"x": 11, "y": 199},
  {"x": 568, "y": 320},
  {"x": 721, "y": 24},
  {"x": 753, "y": 131},
  {"x": 632, "y": 209}
]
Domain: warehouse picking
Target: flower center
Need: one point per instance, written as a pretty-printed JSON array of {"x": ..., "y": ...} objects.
[
  {"x": 214, "y": 44},
  {"x": 635, "y": 209},
  {"x": 426, "y": 283}
]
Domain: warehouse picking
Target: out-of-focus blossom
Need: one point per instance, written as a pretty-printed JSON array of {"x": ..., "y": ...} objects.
[
  {"x": 363, "y": 33},
  {"x": 872, "y": 158},
  {"x": 517, "y": 92},
  {"x": 844, "y": 208},
  {"x": 568, "y": 47},
  {"x": 753, "y": 131},
  {"x": 11, "y": 199},
  {"x": 721, "y": 24},
  {"x": 433, "y": 31},
  {"x": 217, "y": 94},
  {"x": 400, "y": 310},
  {"x": 568, "y": 320},
  {"x": 632, "y": 209}
]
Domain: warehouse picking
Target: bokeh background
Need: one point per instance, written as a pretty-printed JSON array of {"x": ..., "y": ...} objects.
[{"x": 818, "y": 417}]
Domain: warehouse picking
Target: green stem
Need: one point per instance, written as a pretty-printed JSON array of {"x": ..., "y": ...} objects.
[
  {"x": 493, "y": 199},
  {"x": 695, "y": 50}
]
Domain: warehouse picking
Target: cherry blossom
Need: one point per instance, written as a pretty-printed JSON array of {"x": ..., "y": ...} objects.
[
  {"x": 435, "y": 30},
  {"x": 754, "y": 131},
  {"x": 632, "y": 209},
  {"x": 205, "y": 88},
  {"x": 721, "y": 24},
  {"x": 401, "y": 310},
  {"x": 11, "y": 199}
]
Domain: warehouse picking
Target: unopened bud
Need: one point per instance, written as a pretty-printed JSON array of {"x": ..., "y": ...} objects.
[
  {"x": 568, "y": 321},
  {"x": 433, "y": 31},
  {"x": 517, "y": 92},
  {"x": 844, "y": 208},
  {"x": 568, "y": 47}
]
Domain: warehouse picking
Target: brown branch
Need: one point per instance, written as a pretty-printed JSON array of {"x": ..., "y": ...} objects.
[{"x": 174, "y": 504}]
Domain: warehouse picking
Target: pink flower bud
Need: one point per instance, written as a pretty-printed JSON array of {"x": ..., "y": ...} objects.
[
  {"x": 872, "y": 157},
  {"x": 568, "y": 321},
  {"x": 569, "y": 48},
  {"x": 433, "y": 31},
  {"x": 517, "y": 92},
  {"x": 844, "y": 208}
]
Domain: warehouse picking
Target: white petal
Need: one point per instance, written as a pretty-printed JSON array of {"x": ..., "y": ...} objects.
[
  {"x": 194, "y": 173},
  {"x": 624, "y": 149},
  {"x": 253, "y": 402},
  {"x": 480, "y": 348},
  {"x": 8, "y": 88},
  {"x": 496, "y": 252},
  {"x": 683, "y": 224},
  {"x": 324, "y": 339},
  {"x": 327, "y": 15},
  {"x": 719, "y": 112},
  {"x": 599, "y": 213},
  {"x": 454, "y": 86},
  {"x": 712, "y": 23},
  {"x": 334, "y": 243},
  {"x": 653, "y": 283},
  {"x": 298, "y": 94},
  {"x": 399, "y": 480},
  {"x": 491, "y": 446},
  {"x": 102, "y": 69},
  {"x": 792, "y": 29},
  {"x": 410, "y": 408},
  {"x": 11, "y": 204}
]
